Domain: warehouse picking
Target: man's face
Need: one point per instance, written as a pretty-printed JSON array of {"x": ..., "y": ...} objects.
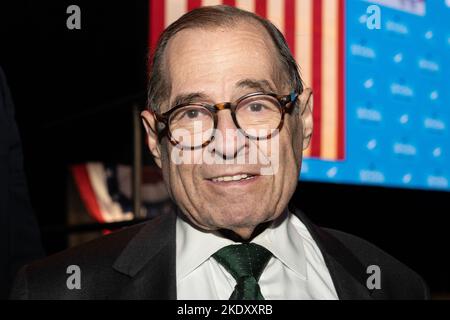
[{"x": 219, "y": 65}]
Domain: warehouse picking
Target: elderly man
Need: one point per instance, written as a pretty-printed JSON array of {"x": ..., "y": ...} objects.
[{"x": 228, "y": 119}]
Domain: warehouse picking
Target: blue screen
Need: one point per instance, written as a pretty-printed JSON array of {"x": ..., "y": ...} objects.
[{"x": 397, "y": 97}]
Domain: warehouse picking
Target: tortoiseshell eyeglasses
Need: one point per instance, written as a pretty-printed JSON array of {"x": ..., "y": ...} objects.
[{"x": 257, "y": 115}]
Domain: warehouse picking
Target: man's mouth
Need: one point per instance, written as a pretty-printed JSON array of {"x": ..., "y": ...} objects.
[{"x": 237, "y": 177}]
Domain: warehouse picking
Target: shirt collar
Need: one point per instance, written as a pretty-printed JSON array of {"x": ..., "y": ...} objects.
[
  {"x": 195, "y": 246},
  {"x": 286, "y": 244}
]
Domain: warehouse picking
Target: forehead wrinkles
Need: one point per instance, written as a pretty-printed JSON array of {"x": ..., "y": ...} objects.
[{"x": 183, "y": 45}]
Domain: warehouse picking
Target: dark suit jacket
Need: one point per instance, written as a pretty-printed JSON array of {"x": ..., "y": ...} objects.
[
  {"x": 19, "y": 235},
  {"x": 139, "y": 263}
]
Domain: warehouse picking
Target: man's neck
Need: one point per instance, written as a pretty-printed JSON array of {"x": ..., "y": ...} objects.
[
  {"x": 229, "y": 234},
  {"x": 233, "y": 236}
]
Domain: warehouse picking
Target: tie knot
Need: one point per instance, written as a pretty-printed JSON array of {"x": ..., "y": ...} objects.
[{"x": 243, "y": 260}]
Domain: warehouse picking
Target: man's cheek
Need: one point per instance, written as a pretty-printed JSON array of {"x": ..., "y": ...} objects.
[{"x": 269, "y": 155}]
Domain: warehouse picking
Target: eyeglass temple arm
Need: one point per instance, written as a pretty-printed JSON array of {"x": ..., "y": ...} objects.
[
  {"x": 160, "y": 132},
  {"x": 289, "y": 99}
]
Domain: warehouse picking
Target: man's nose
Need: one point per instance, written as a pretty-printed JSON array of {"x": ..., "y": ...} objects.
[{"x": 228, "y": 141}]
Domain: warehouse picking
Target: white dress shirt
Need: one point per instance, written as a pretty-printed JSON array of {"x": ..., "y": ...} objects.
[{"x": 297, "y": 269}]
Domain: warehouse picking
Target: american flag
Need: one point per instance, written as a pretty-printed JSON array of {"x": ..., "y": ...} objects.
[
  {"x": 314, "y": 30},
  {"x": 106, "y": 191}
]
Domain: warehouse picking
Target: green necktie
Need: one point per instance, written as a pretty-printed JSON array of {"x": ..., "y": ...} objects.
[{"x": 245, "y": 262}]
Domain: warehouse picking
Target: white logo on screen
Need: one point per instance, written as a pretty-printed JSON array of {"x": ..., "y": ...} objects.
[{"x": 417, "y": 7}]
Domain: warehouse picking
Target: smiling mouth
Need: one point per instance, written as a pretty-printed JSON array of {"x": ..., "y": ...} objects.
[{"x": 233, "y": 178}]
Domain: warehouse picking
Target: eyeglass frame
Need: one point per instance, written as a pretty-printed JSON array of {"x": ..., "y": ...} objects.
[{"x": 283, "y": 101}]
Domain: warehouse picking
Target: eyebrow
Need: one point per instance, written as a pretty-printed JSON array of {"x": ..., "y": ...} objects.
[
  {"x": 184, "y": 98},
  {"x": 258, "y": 85}
]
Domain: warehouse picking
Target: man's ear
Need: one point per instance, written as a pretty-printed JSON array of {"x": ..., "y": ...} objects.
[
  {"x": 306, "y": 114},
  {"x": 149, "y": 121}
]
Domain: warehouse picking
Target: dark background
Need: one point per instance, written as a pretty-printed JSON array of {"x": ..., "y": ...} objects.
[{"x": 73, "y": 91}]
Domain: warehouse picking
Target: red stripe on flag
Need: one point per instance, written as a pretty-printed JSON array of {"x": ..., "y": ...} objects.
[
  {"x": 81, "y": 177},
  {"x": 229, "y": 2},
  {"x": 192, "y": 4},
  {"x": 156, "y": 15},
  {"x": 289, "y": 24},
  {"x": 317, "y": 75},
  {"x": 261, "y": 8},
  {"x": 341, "y": 81}
]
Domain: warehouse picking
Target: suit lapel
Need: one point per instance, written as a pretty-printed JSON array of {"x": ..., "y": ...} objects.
[
  {"x": 149, "y": 261},
  {"x": 347, "y": 272}
]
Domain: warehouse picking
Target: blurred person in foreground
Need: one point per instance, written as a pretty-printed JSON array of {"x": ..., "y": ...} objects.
[
  {"x": 227, "y": 120},
  {"x": 20, "y": 239}
]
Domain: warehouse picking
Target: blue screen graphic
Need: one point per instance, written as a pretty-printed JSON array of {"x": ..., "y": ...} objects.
[{"x": 397, "y": 98}]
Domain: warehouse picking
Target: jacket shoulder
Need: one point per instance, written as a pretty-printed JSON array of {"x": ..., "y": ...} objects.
[
  {"x": 47, "y": 278},
  {"x": 398, "y": 281}
]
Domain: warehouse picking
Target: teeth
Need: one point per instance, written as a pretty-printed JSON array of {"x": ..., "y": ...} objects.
[
  {"x": 238, "y": 177},
  {"x": 232, "y": 178}
]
